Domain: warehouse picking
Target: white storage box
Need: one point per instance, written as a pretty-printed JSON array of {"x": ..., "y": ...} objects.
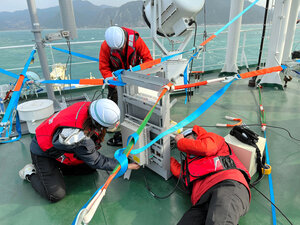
[{"x": 246, "y": 153}]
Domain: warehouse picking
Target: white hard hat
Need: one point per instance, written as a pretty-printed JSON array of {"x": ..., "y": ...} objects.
[
  {"x": 105, "y": 112},
  {"x": 115, "y": 37}
]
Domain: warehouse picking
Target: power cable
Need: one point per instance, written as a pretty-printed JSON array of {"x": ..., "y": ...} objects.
[
  {"x": 191, "y": 68},
  {"x": 252, "y": 81},
  {"x": 272, "y": 203},
  {"x": 249, "y": 125}
]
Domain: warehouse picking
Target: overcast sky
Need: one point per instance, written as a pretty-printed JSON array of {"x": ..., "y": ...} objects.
[{"x": 14, "y": 5}]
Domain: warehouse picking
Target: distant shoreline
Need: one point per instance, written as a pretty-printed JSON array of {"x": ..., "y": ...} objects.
[{"x": 93, "y": 28}]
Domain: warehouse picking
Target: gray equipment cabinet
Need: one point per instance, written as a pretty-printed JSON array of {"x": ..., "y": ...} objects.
[{"x": 135, "y": 100}]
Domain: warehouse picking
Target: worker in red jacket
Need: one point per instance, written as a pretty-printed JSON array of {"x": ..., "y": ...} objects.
[
  {"x": 67, "y": 143},
  {"x": 121, "y": 49},
  {"x": 218, "y": 180}
]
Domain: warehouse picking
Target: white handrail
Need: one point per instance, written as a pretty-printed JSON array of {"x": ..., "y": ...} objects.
[{"x": 203, "y": 62}]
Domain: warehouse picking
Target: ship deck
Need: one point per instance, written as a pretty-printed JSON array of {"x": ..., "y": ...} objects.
[{"x": 128, "y": 202}]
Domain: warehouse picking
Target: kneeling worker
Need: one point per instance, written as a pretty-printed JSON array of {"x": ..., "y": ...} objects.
[
  {"x": 67, "y": 143},
  {"x": 219, "y": 181}
]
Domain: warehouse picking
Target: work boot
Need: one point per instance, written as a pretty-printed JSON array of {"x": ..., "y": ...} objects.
[
  {"x": 116, "y": 140},
  {"x": 175, "y": 167},
  {"x": 27, "y": 171}
]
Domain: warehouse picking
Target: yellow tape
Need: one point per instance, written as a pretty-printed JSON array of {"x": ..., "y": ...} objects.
[
  {"x": 173, "y": 123},
  {"x": 136, "y": 159},
  {"x": 267, "y": 169}
]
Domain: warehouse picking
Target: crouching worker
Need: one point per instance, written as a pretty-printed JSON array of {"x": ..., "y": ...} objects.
[
  {"x": 218, "y": 180},
  {"x": 67, "y": 144}
]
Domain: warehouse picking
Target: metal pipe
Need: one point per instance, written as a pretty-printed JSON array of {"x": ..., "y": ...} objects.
[
  {"x": 233, "y": 38},
  {"x": 291, "y": 31},
  {"x": 67, "y": 17},
  {"x": 36, "y": 30}
]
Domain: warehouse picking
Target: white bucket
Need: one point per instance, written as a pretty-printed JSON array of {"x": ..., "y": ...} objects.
[{"x": 35, "y": 112}]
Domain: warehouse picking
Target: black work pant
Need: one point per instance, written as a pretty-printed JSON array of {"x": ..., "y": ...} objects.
[
  {"x": 224, "y": 203},
  {"x": 48, "y": 180},
  {"x": 113, "y": 94}
]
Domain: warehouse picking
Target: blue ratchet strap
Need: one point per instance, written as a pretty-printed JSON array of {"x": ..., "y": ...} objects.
[
  {"x": 9, "y": 110},
  {"x": 15, "y": 98},
  {"x": 123, "y": 161},
  {"x": 116, "y": 83},
  {"x": 18, "y": 129},
  {"x": 270, "y": 184},
  {"x": 122, "y": 158},
  {"x": 208, "y": 103},
  {"x": 163, "y": 59},
  {"x": 9, "y": 73},
  {"x": 60, "y": 81},
  {"x": 11, "y": 105},
  {"x": 236, "y": 17},
  {"x": 77, "y": 81},
  {"x": 28, "y": 62},
  {"x": 133, "y": 136},
  {"x": 118, "y": 73},
  {"x": 76, "y": 54}
]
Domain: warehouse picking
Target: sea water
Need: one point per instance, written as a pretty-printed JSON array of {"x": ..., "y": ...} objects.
[{"x": 14, "y": 59}]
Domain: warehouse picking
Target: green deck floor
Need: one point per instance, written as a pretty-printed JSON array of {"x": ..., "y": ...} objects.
[{"x": 129, "y": 202}]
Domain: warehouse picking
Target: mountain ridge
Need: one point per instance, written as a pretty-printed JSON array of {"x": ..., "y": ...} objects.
[{"x": 88, "y": 15}]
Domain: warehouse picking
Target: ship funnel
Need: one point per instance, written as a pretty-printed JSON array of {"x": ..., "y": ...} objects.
[{"x": 68, "y": 19}]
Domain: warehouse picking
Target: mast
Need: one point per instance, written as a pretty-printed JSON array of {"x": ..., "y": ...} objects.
[
  {"x": 295, "y": 7},
  {"x": 36, "y": 30},
  {"x": 233, "y": 38},
  {"x": 68, "y": 18}
]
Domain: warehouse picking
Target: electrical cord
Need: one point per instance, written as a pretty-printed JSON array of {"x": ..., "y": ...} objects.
[
  {"x": 191, "y": 68},
  {"x": 69, "y": 58},
  {"x": 173, "y": 190},
  {"x": 69, "y": 61},
  {"x": 157, "y": 196},
  {"x": 249, "y": 125},
  {"x": 271, "y": 126},
  {"x": 100, "y": 94},
  {"x": 272, "y": 203}
]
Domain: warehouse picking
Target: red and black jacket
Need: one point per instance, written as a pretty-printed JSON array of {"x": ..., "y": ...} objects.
[
  {"x": 199, "y": 167},
  {"x": 131, "y": 58},
  {"x": 73, "y": 116}
]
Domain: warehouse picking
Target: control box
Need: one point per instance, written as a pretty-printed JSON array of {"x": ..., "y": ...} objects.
[
  {"x": 246, "y": 153},
  {"x": 129, "y": 127}
]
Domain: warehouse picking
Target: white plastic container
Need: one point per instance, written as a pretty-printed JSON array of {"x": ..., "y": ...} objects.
[{"x": 35, "y": 112}]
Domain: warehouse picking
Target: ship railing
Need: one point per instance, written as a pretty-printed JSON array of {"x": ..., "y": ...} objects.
[{"x": 212, "y": 58}]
